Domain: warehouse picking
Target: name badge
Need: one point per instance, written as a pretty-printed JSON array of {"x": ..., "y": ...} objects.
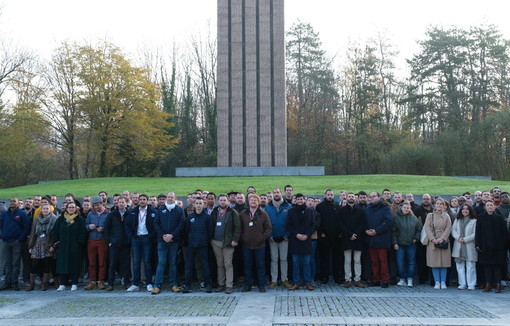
[
  {"x": 218, "y": 223},
  {"x": 192, "y": 220},
  {"x": 250, "y": 224}
]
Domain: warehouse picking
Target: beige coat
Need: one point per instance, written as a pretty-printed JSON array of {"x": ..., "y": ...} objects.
[
  {"x": 469, "y": 238},
  {"x": 442, "y": 228}
]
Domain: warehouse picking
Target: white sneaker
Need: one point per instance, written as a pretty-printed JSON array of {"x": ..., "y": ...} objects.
[
  {"x": 133, "y": 288},
  {"x": 402, "y": 282},
  {"x": 437, "y": 286},
  {"x": 61, "y": 288},
  {"x": 74, "y": 287},
  {"x": 149, "y": 287},
  {"x": 503, "y": 283},
  {"x": 443, "y": 286},
  {"x": 471, "y": 288},
  {"x": 410, "y": 282},
  {"x": 461, "y": 287}
]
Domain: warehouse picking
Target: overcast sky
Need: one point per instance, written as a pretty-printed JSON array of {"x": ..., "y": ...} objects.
[{"x": 41, "y": 25}]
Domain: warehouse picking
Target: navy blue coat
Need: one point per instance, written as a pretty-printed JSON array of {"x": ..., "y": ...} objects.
[
  {"x": 132, "y": 222},
  {"x": 115, "y": 229},
  {"x": 198, "y": 229},
  {"x": 169, "y": 222},
  {"x": 379, "y": 218},
  {"x": 14, "y": 225}
]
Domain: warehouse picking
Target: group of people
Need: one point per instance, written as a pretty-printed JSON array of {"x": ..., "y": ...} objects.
[{"x": 360, "y": 240}]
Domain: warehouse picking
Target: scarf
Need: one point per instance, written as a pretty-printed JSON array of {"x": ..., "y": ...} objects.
[
  {"x": 169, "y": 206},
  {"x": 70, "y": 218},
  {"x": 278, "y": 203},
  {"x": 43, "y": 225},
  {"x": 463, "y": 222}
]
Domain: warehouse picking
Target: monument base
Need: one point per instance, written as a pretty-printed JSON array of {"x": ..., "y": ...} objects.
[{"x": 249, "y": 171}]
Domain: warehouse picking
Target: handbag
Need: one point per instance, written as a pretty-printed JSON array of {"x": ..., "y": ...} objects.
[{"x": 443, "y": 245}]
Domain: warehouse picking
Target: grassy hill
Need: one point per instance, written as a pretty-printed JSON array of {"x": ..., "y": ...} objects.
[{"x": 310, "y": 185}]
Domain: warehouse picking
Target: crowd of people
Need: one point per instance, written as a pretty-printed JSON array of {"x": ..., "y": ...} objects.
[{"x": 246, "y": 239}]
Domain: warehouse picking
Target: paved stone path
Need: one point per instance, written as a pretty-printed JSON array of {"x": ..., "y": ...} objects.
[{"x": 326, "y": 306}]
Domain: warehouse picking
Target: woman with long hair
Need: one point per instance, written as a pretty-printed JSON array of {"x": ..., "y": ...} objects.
[
  {"x": 69, "y": 236},
  {"x": 438, "y": 227},
  {"x": 464, "y": 251},
  {"x": 39, "y": 247}
]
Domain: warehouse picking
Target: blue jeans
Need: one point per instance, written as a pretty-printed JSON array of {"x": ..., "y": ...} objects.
[
  {"x": 259, "y": 256},
  {"x": 167, "y": 251},
  {"x": 203, "y": 255},
  {"x": 439, "y": 274},
  {"x": 142, "y": 248},
  {"x": 301, "y": 266},
  {"x": 406, "y": 257}
]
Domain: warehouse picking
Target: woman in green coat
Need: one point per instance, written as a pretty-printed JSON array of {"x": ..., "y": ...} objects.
[{"x": 69, "y": 236}]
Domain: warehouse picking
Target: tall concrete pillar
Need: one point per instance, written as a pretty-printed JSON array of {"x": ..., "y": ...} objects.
[{"x": 251, "y": 108}]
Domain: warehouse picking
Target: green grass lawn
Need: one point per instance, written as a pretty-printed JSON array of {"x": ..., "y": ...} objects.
[{"x": 309, "y": 185}]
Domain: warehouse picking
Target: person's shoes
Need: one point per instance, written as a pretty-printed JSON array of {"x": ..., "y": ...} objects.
[
  {"x": 471, "y": 288},
  {"x": 90, "y": 286},
  {"x": 262, "y": 289},
  {"x": 324, "y": 281},
  {"x": 498, "y": 287},
  {"x": 228, "y": 290},
  {"x": 443, "y": 286},
  {"x": 437, "y": 286},
  {"x": 461, "y": 287},
  {"x": 286, "y": 284},
  {"x": 133, "y": 288},
  {"x": 360, "y": 284},
  {"x": 294, "y": 287},
  {"x": 202, "y": 285},
  {"x": 309, "y": 287},
  {"x": 220, "y": 288},
  {"x": 273, "y": 285},
  {"x": 246, "y": 288},
  {"x": 347, "y": 284},
  {"x": 185, "y": 289},
  {"x": 74, "y": 287},
  {"x": 109, "y": 288},
  {"x": 410, "y": 282},
  {"x": 100, "y": 285},
  {"x": 371, "y": 284},
  {"x": 6, "y": 286},
  {"x": 156, "y": 290},
  {"x": 338, "y": 281},
  {"x": 402, "y": 282},
  {"x": 15, "y": 287},
  {"x": 384, "y": 285},
  {"x": 208, "y": 289},
  {"x": 393, "y": 281},
  {"x": 175, "y": 289},
  {"x": 149, "y": 287},
  {"x": 61, "y": 288}
]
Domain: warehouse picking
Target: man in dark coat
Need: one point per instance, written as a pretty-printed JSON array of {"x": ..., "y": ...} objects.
[
  {"x": 119, "y": 243},
  {"x": 421, "y": 212},
  {"x": 353, "y": 223},
  {"x": 301, "y": 226},
  {"x": 329, "y": 238},
  {"x": 379, "y": 224}
]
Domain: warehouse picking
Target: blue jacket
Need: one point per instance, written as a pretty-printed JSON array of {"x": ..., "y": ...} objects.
[
  {"x": 169, "y": 222},
  {"x": 132, "y": 222},
  {"x": 198, "y": 230},
  {"x": 115, "y": 229},
  {"x": 98, "y": 220},
  {"x": 278, "y": 217},
  {"x": 379, "y": 218},
  {"x": 14, "y": 225}
]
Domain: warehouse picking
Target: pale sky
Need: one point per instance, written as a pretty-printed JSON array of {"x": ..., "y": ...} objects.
[{"x": 40, "y": 25}]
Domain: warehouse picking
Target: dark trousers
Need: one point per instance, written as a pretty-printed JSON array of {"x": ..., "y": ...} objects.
[
  {"x": 119, "y": 256},
  {"x": 421, "y": 263},
  {"x": 492, "y": 273},
  {"x": 203, "y": 255},
  {"x": 257, "y": 255},
  {"x": 330, "y": 250},
  {"x": 11, "y": 253}
]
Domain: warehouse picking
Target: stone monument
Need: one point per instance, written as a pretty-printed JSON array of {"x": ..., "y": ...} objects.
[{"x": 252, "y": 126}]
